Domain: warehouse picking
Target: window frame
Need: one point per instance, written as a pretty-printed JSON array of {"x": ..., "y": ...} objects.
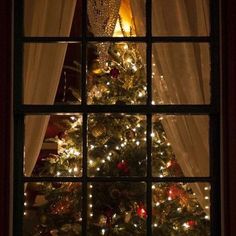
[{"x": 213, "y": 110}]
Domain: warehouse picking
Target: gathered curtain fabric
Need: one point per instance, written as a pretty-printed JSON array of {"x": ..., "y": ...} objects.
[
  {"x": 43, "y": 64},
  {"x": 181, "y": 75}
]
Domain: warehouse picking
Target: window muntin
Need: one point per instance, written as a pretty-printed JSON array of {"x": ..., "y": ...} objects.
[{"x": 149, "y": 109}]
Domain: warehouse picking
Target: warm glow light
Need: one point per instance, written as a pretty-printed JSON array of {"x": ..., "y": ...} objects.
[{"x": 126, "y": 16}]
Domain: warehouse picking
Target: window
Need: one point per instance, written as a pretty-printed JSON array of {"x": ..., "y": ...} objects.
[{"x": 116, "y": 117}]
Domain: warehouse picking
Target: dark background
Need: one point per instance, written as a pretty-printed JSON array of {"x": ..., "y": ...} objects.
[{"x": 228, "y": 114}]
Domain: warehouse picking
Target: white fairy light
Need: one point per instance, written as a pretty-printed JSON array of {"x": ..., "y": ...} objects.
[
  {"x": 140, "y": 94},
  {"x": 185, "y": 225},
  {"x": 73, "y": 118}
]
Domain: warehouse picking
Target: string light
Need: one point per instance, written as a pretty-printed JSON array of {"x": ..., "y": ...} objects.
[{"x": 186, "y": 225}]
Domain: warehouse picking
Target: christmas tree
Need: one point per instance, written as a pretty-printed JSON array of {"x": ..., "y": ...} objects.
[{"x": 116, "y": 147}]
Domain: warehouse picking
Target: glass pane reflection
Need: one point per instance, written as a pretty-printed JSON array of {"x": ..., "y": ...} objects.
[
  {"x": 116, "y": 145},
  {"x": 52, "y": 18},
  {"x": 181, "y": 209},
  {"x": 117, "y": 209},
  {"x": 52, "y": 209},
  {"x": 116, "y": 73},
  {"x": 53, "y": 145},
  {"x": 180, "y": 145},
  {"x": 117, "y": 18},
  {"x": 52, "y": 73},
  {"x": 181, "y": 73},
  {"x": 180, "y": 18}
]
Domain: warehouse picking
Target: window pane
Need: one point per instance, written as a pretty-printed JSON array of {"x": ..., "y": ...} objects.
[
  {"x": 52, "y": 18},
  {"x": 52, "y": 73},
  {"x": 116, "y": 145},
  {"x": 116, "y": 73},
  {"x": 181, "y": 73},
  {"x": 53, "y": 145},
  {"x": 52, "y": 209},
  {"x": 117, "y": 209},
  {"x": 180, "y": 146},
  {"x": 181, "y": 209},
  {"x": 116, "y": 18},
  {"x": 180, "y": 18}
]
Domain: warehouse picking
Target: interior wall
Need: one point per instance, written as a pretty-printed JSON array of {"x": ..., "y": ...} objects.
[
  {"x": 229, "y": 114},
  {"x": 5, "y": 114}
]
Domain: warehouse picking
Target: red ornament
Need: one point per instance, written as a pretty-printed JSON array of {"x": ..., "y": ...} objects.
[
  {"x": 192, "y": 223},
  {"x": 175, "y": 192},
  {"x": 141, "y": 212},
  {"x": 114, "y": 72},
  {"x": 123, "y": 166}
]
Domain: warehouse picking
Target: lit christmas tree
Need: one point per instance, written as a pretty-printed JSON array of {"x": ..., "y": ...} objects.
[{"x": 116, "y": 147}]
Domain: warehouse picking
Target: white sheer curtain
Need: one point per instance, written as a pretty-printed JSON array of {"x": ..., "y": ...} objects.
[
  {"x": 42, "y": 65},
  {"x": 182, "y": 76}
]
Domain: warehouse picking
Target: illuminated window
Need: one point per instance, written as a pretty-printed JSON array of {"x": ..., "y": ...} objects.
[{"x": 116, "y": 117}]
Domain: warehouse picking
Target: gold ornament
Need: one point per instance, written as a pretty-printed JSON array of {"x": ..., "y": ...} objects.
[
  {"x": 96, "y": 67},
  {"x": 98, "y": 130},
  {"x": 128, "y": 84},
  {"x": 102, "y": 88},
  {"x": 103, "y": 220}
]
